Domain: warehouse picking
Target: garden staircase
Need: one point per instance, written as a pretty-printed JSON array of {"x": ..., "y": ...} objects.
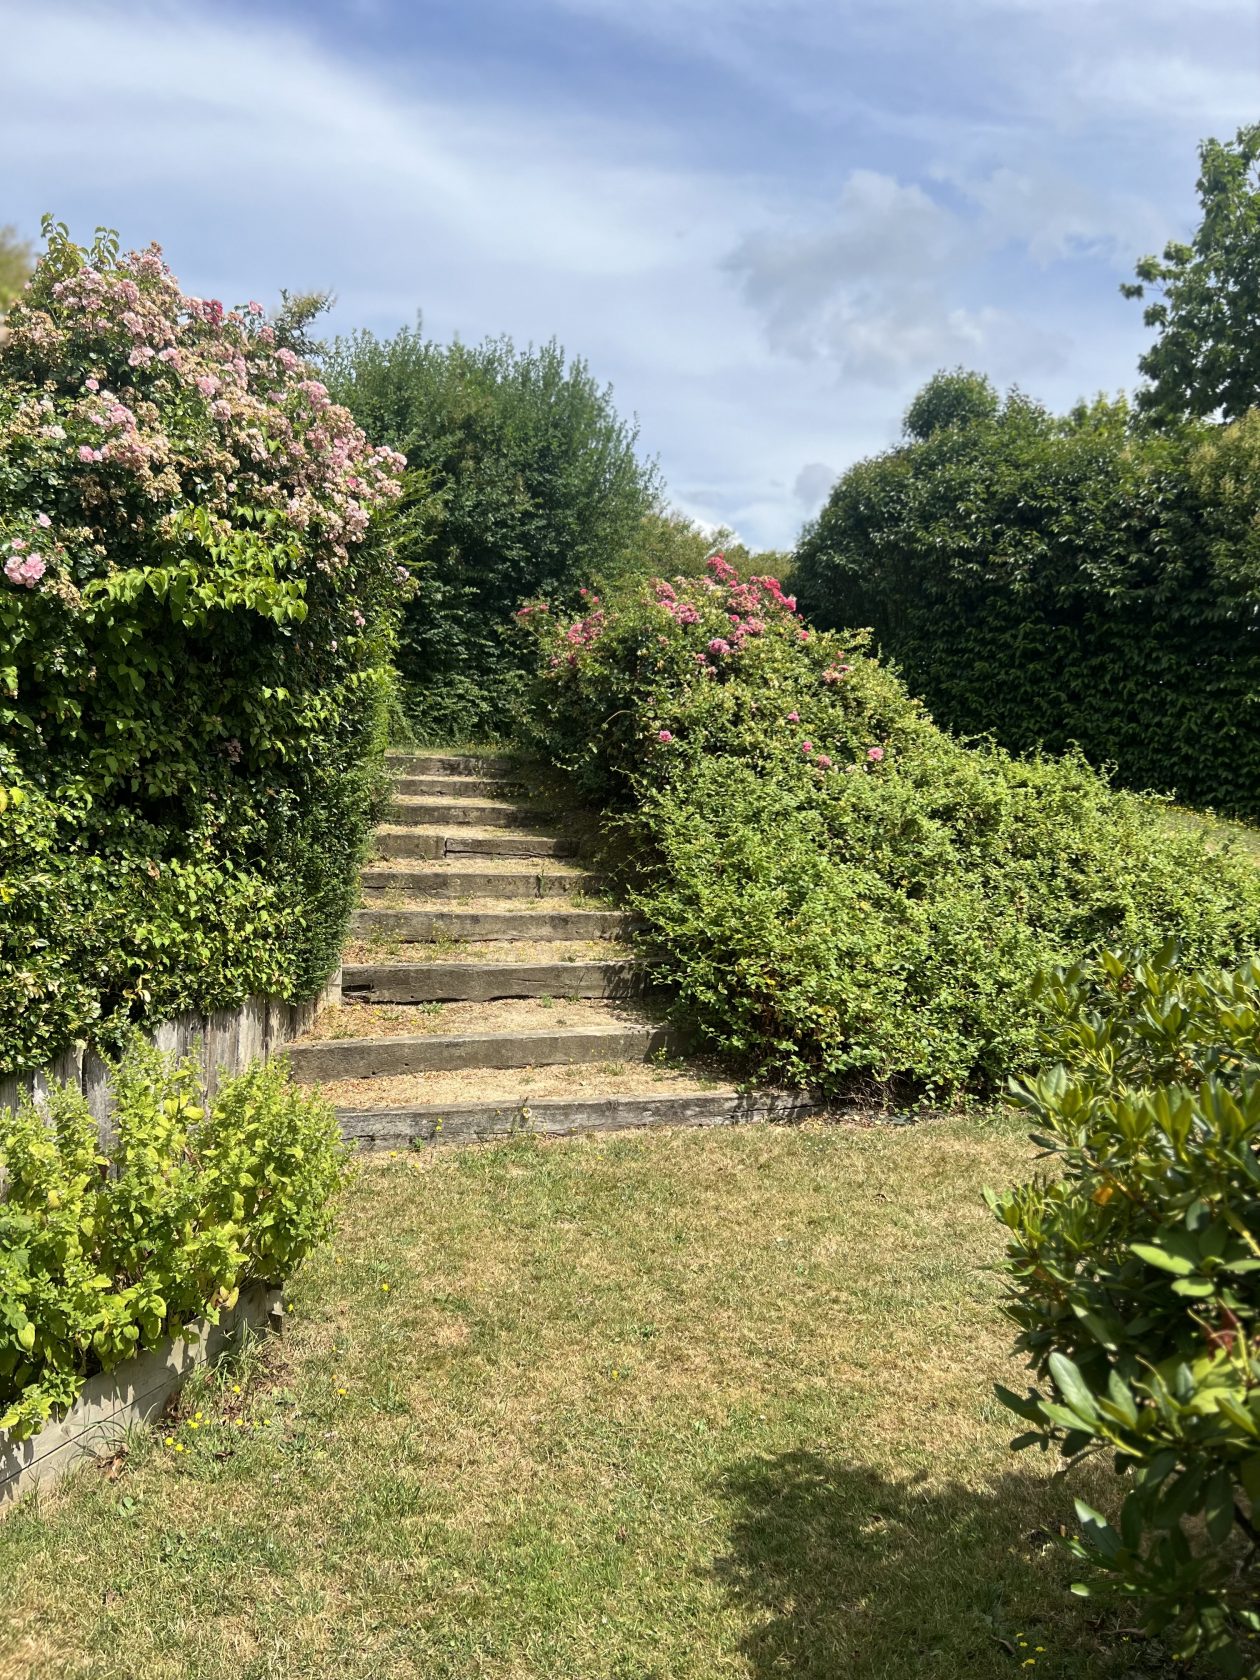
[{"x": 488, "y": 987}]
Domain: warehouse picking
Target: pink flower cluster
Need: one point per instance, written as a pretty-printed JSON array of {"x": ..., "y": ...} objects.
[
  {"x": 24, "y": 572},
  {"x": 177, "y": 402}
]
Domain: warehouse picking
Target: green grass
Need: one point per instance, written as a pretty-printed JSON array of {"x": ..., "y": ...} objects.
[{"x": 664, "y": 1407}]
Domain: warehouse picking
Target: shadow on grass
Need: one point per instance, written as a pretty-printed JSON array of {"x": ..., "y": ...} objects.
[{"x": 844, "y": 1573}]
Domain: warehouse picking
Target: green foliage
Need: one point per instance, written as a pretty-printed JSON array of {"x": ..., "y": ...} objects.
[
  {"x": 1134, "y": 1272},
  {"x": 1062, "y": 581},
  {"x": 1205, "y": 360},
  {"x": 16, "y": 261},
  {"x": 838, "y": 891},
  {"x": 105, "y": 1251},
  {"x": 524, "y": 480},
  {"x": 950, "y": 399},
  {"x": 195, "y": 631}
]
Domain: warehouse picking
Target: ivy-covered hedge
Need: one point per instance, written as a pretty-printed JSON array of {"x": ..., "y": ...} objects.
[
  {"x": 103, "y": 1254},
  {"x": 1062, "y": 581},
  {"x": 1134, "y": 1280},
  {"x": 839, "y": 892},
  {"x": 195, "y": 631}
]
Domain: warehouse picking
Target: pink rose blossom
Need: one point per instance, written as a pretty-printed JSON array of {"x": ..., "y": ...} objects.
[
  {"x": 807, "y": 746},
  {"x": 823, "y": 762},
  {"x": 93, "y": 384},
  {"x": 208, "y": 385},
  {"x": 717, "y": 645},
  {"x": 43, "y": 519},
  {"x": 794, "y": 717},
  {"x": 874, "y": 754},
  {"x": 664, "y": 735}
]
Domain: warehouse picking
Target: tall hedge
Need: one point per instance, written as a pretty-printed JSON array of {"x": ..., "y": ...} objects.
[
  {"x": 1059, "y": 581},
  {"x": 524, "y": 480},
  {"x": 194, "y": 637}
]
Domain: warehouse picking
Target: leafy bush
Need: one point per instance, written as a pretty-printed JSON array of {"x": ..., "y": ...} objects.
[
  {"x": 524, "y": 481},
  {"x": 195, "y": 633},
  {"x": 1060, "y": 582},
  {"x": 1135, "y": 1282},
  {"x": 104, "y": 1252},
  {"x": 837, "y": 890}
]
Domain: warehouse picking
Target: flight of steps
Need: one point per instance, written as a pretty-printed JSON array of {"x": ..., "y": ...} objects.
[{"x": 488, "y": 988}]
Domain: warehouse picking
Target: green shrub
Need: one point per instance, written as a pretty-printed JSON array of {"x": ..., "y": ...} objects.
[
  {"x": 524, "y": 480},
  {"x": 839, "y": 892},
  {"x": 105, "y": 1251},
  {"x": 1134, "y": 1271},
  {"x": 1059, "y": 582},
  {"x": 195, "y": 632}
]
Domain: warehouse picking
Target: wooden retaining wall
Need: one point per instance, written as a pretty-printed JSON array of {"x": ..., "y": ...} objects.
[{"x": 225, "y": 1042}]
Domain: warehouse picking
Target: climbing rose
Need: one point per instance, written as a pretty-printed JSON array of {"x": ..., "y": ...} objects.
[
  {"x": 794, "y": 717},
  {"x": 664, "y": 735},
  {"x": 875, "y": 754}
]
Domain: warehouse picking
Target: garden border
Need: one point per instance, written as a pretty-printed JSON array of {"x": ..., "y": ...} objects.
[{"x": 114, "y": 1402}]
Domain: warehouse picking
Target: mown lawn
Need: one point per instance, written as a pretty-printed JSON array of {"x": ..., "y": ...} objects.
[{"x": 663, "y": 1407}]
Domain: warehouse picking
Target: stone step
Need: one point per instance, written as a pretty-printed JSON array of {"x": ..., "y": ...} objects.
[
  {"x": 409, "y": 1127},
  {"x": 405, "y": 763},
  {"x": 373, "y": 1058},
  {"x": 440, "y": 842},
  {"x": 460, "y": 813},
  {"x": 425, "y": 922},
  {"x": 474, "y": 883},
  {"x": 401, "y": 982},
  {"x": 454, "y": 787}
]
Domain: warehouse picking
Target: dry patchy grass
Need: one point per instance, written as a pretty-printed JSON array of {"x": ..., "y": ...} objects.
[{"x": 690, "y": 1405}]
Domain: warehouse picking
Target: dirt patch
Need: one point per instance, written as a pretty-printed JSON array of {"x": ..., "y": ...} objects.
[
  {"x": 522, "y": 1086},
  {"x": 394, "y": 1020}
]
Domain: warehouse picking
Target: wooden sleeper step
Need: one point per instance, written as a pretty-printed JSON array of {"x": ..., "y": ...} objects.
[
  {"x": 484, "y": 982},
  {"x": 449, "y": 764},
  {"x": 461, "y": 813},
  {"x": 372, "y": 1058},
  {"x": 416, "y": 925},
  {"x": 454, "y": 787},
  {"x": 472, "y": 883},
  {"x": 438, "y": 843},
  {"x": 405, "y": 1128}
]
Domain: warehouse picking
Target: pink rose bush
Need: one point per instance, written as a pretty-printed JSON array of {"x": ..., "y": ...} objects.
[
  {"x": 838, "y": 893},
  {"x": 196, "y": 619}
]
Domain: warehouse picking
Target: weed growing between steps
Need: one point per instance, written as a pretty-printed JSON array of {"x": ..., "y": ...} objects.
[{"x": 837, "y": 891}]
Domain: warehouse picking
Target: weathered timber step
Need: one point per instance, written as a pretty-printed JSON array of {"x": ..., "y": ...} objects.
[
  {"x": 449, "y": 764},
  {"x": 462, "y": 813},
  {"x": 370, "y": 1058},
  {"x": 404, "y": 1128},
  {"x": 441, "y": 843},
  {"x": 425, "y": 923},
  {"x": 473, "y": 883},
  {"x": 454, "y": 787},
  {"x": 483, "y": 982}
]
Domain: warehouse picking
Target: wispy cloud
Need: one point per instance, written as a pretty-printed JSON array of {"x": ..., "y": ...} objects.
[{"x": 766, "y": 225}]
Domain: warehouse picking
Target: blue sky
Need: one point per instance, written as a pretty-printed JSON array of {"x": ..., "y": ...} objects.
[{"x": 765, "y": 223}]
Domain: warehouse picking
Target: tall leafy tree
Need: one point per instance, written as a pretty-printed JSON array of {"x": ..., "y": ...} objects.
[
  {"x": 1205, "y": 360},
  {"x": 527, "y": 483}
]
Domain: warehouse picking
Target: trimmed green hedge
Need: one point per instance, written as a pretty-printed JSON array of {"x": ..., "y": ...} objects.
[
  {"x": 104, "y": 1254},
  {"x": 839, "y": 892},
  {"x": 1062, "y": 581}
]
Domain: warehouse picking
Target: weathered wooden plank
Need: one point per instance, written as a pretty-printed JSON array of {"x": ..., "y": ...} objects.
[
  {"x": 461, "y": 813},
  {"x": 475, "y": 883},
  {"x": 371, "y": 1058},
  {"x": 483, "y": 982},
  {"x": 405, "y": 763},
  {"x": 394, "y": 1128},
  {"x": 412, "y": 925},
  {"x": 454, "y": 787}
]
